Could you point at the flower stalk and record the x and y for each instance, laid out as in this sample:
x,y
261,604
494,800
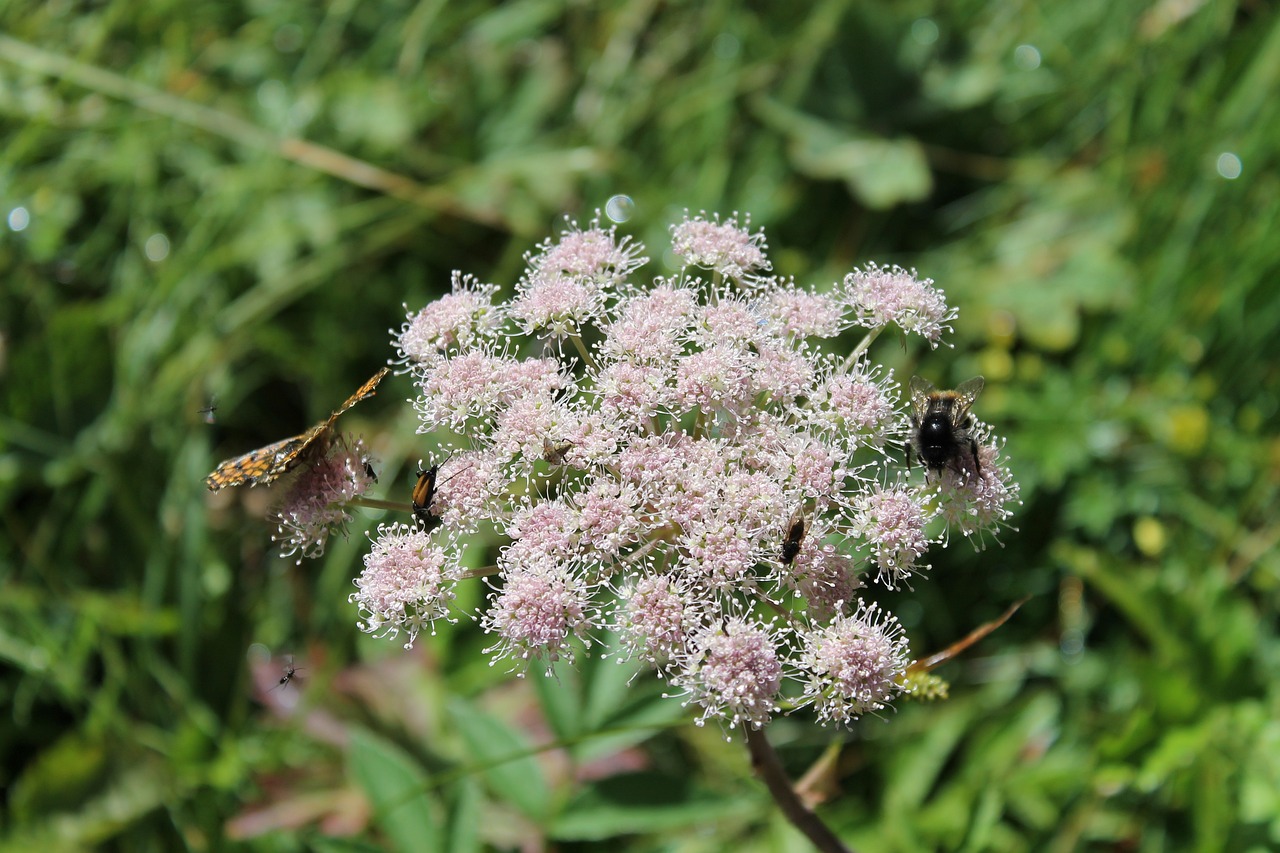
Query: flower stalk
x,y
765,762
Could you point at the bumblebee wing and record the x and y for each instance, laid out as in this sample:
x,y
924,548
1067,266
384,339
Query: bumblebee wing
x,y
966,392
921,390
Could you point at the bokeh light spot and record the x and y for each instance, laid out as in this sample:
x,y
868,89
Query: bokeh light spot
x,y
620,208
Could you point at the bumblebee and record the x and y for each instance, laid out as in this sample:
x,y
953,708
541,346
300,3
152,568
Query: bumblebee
x,y
941,426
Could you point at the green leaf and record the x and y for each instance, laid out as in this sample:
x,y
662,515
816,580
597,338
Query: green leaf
x,y
397,790
464,819
916,768
506,760
647,802
1260,776
60,778
561,699
124,797
879,172
330,844
645,713
610,686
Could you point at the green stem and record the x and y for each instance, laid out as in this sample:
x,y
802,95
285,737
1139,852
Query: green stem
x,y
375,503
862,346
583,351
483,572
764,760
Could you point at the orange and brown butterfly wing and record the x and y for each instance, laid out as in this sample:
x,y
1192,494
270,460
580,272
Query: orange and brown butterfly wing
x,y
265,464
364,392
257,466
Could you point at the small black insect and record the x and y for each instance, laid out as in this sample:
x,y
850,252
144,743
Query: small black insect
x,y
424,492
209,411
369,472
941,426
797,526
289,672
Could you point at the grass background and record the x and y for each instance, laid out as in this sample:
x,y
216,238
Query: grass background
x,y
234,200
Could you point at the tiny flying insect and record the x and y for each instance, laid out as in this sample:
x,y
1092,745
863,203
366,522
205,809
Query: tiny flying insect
x,y
941,426
209,411
797,527
289,672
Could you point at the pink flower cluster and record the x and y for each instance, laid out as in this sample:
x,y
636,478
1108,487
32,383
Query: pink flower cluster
x,y
647,451
320,496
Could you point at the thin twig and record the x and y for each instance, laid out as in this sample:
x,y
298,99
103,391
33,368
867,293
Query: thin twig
x,y
766,764
376,503
951,651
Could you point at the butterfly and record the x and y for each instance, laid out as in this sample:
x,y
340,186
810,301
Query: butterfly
x,y
267,463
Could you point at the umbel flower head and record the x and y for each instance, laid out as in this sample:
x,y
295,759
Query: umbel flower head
x,y
317,501
686,463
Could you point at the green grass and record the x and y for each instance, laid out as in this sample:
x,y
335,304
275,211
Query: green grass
x,y
312,167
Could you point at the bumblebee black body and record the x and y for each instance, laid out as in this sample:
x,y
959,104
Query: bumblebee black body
x,y
940,442
941,426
